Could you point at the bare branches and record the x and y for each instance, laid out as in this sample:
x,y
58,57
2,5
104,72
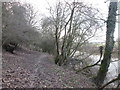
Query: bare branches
x,y
89,66
113,80
74,24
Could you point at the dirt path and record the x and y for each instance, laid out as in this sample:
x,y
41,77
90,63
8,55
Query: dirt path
x,y
35,70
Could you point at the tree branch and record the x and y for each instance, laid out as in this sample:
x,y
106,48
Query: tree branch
x,y
113,80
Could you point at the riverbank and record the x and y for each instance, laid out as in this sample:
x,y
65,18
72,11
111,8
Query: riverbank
x,y
34,69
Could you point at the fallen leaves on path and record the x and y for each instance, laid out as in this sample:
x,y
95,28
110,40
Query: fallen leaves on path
x,y
32,69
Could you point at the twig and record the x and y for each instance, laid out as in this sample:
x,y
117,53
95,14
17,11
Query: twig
x,y
113,80
89,66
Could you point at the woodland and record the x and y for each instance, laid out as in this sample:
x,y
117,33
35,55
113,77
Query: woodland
x,y
55,52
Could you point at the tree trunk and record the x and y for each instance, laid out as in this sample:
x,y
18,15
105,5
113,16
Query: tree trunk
x,y
62,56
109,44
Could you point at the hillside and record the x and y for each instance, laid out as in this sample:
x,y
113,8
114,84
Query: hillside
x,y
32,69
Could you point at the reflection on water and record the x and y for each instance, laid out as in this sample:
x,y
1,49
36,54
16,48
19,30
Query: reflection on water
x,y
113,68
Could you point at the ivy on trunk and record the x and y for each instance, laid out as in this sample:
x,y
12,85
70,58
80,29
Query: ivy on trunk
x,y
109,44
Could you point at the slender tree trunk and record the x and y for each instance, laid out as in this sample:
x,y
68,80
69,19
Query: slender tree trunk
x,y
57,45
109,44
61,57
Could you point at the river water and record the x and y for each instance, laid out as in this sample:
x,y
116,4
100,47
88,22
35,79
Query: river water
x,y
113,68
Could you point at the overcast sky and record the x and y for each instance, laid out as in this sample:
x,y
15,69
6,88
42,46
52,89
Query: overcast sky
x,y
41,5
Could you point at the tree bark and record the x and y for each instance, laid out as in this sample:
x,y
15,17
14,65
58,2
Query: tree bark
x,y
57,46
109,44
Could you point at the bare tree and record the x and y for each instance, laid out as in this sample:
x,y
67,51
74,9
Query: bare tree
x,y
74,24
